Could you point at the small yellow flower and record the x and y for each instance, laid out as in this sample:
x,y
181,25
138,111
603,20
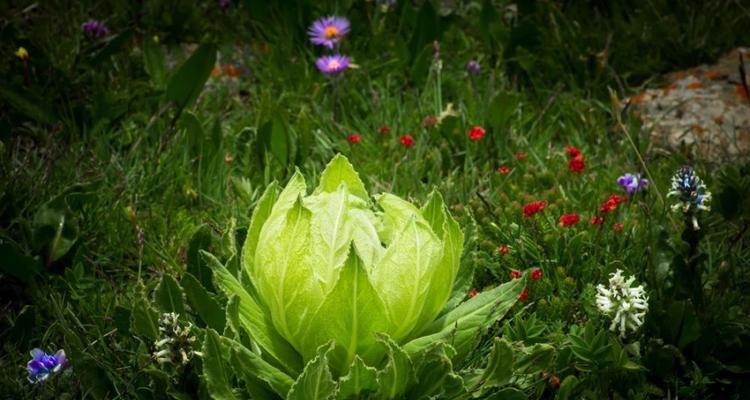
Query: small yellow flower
x,y
22,54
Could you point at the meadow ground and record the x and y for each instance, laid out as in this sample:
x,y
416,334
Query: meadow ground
x,y
133,135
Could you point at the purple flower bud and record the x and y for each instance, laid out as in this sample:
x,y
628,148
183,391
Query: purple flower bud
x,y
473,68
95,28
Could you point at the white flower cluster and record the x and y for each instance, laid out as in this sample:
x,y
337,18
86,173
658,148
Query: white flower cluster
x,y
176,345
627,305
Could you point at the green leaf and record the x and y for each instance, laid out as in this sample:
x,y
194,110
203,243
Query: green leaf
x,y
275,138
214,367
433,368
144,321
508,394
14,263
201,240
499,368
462,326
360,380
261,212
567,387
349,316
465,277
253,366
28,104
394,378
187,83
536,358
169,295
254,318
54,231
339,170
202,303
153,62
315,382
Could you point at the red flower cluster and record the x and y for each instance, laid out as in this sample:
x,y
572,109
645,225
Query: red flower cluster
x,y
476,133
429,121
407,140
473,293
569,219
515,274
519,156
504,170
503,249
533,208
595,220
611,204
536,274
618,227
354,138
524,295
384,130
576,163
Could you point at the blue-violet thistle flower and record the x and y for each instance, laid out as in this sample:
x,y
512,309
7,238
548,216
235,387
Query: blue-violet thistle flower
x,y
632,183
42,365
691,193
624,303
332,64
176,343
95,28
473,68
328,31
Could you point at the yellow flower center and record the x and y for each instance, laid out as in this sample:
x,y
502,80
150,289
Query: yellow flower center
x,y
333,64
331,32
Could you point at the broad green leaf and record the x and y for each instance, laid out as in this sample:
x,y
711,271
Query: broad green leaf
x,y
144,321
254,318
253,366
153,62
295,188
169,295
261,212
214,367
187,83
201,240
441,282
315,382
396,213
567,387
536,358
350,315
203,303
465,276
499,368
283,276
403,275
462,326
433,368
53,231
398,372
360,380
340,170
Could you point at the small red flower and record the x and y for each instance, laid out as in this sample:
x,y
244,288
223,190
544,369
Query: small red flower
x,y
573,152
429,121
504,170
354,138
569,219
519,156
503,249
515,274
554,381
618,227
524,294
384,130
596,220
533,208
476,133
536,274
407,140
473,293
611,204
576,164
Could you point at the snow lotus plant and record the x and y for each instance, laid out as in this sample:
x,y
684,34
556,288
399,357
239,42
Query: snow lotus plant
x,y
335,299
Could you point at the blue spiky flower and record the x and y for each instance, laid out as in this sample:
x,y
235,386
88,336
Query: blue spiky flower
x,y
691,193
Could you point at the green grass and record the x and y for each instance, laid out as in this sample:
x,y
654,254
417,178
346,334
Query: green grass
x,y
92,140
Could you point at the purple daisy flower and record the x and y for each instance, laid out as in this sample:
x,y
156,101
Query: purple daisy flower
x,y
473,67
632,183
95,28
332,64
328,31
42,365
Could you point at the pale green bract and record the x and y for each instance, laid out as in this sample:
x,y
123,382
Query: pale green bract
x,y
344,295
